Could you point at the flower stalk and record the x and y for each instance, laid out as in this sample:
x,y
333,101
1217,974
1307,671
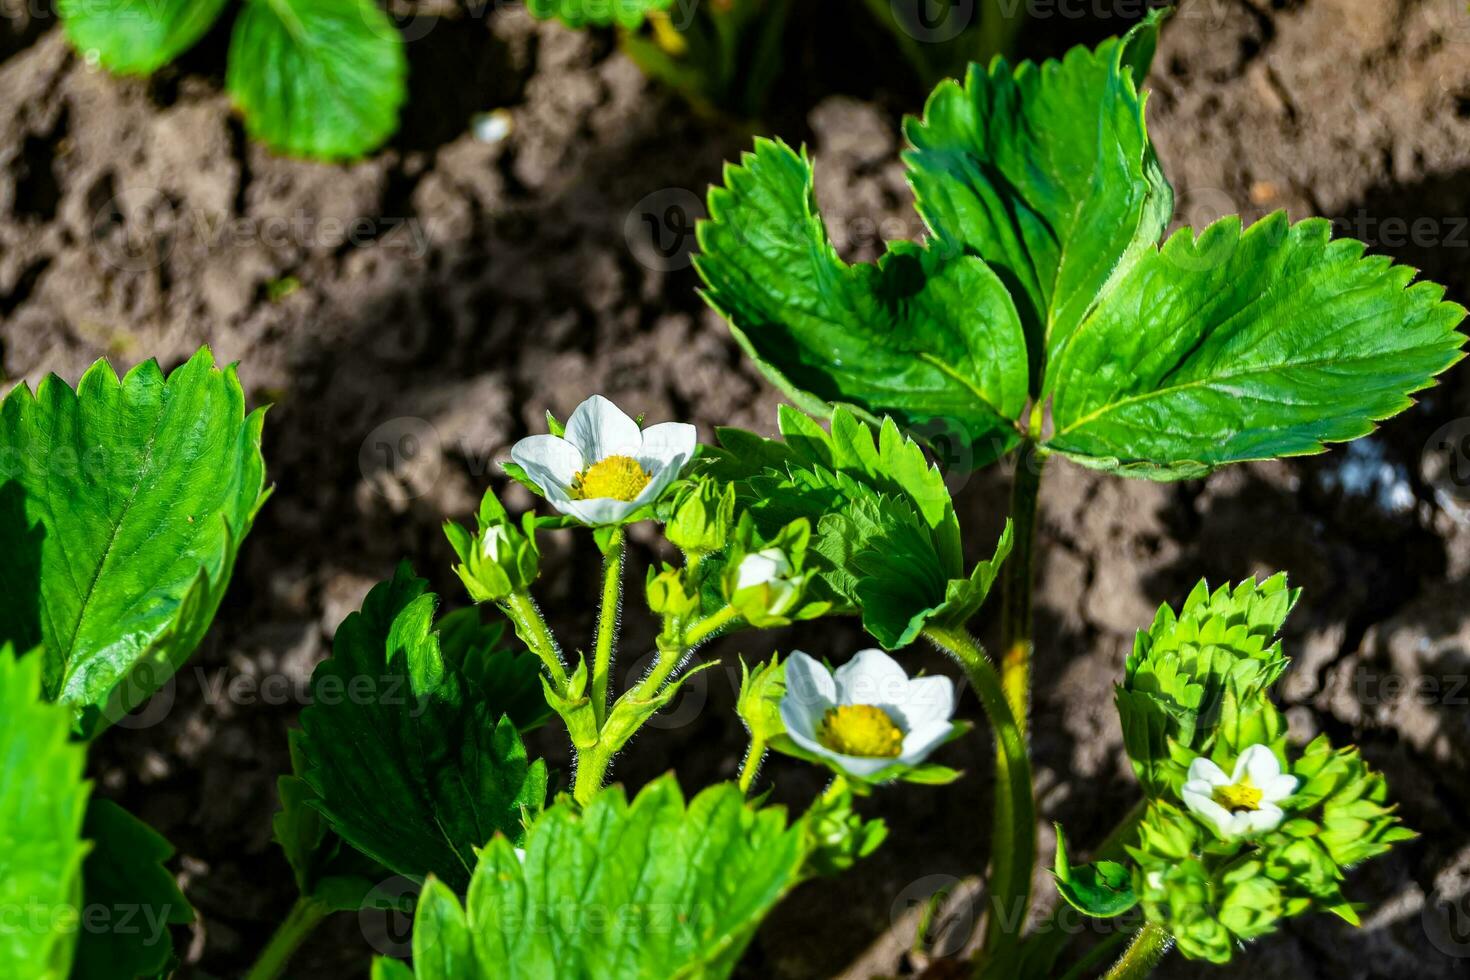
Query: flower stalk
x,y
1017,640
607,622
1143,955
1013,829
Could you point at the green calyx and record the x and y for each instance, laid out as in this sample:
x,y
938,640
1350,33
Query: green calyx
x,y
1198,670
703,517
499,559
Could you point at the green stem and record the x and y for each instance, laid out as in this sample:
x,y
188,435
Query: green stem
x,y
592,767
521,610
1143,954
709,626
1019,578
607,624
752,763
304,916
1013,830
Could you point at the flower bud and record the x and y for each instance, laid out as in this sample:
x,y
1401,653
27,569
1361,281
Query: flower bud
x,y
499,560
668,595
702,519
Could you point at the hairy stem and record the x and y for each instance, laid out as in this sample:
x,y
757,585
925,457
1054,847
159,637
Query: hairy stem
x,y
1019,578
304,916
1013,829
531,627
1143,954
607,624
752,763
592,766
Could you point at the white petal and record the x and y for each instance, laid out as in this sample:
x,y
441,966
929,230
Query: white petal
x,y
761,568
666,442
1202,768
924,701
600,429
1258,764
1278,788
871,677
810,691
660,482
1267,817
1205,805
919,742
549,461
596,510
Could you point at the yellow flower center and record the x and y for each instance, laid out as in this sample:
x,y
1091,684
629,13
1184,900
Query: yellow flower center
x,y
860,730
616,477
1240,796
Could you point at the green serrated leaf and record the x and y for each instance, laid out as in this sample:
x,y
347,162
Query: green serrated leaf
x,y
885,537
1045,172
326,869
647,889
122,507
596,13
137,37
927,336
130,896
407,761
1235,346
317,78
43,800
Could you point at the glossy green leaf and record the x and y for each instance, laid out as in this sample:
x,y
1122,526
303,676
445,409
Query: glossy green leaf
x,y
137,37
122,507
1102,889
43,801
885,537
1045,172
317,78
1249,345
648,890
408,762
130,899
596,13
927,336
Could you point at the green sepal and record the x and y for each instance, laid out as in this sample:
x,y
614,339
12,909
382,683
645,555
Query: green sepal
x,y
837,835
1102,889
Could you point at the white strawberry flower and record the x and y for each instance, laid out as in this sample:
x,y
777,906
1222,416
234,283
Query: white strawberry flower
x,y
605,468
1245,802
868,715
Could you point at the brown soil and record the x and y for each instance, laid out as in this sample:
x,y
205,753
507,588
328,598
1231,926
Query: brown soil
x,y
484,282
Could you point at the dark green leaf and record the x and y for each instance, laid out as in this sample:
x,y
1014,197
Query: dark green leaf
x,y
927,336
1241,346
130,899
317,78
648,889
325,868
137,37
122,507
1045,172
43,800
408,762
506,676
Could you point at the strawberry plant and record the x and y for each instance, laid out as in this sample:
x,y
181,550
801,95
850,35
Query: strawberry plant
x,y
1047,315
312,78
